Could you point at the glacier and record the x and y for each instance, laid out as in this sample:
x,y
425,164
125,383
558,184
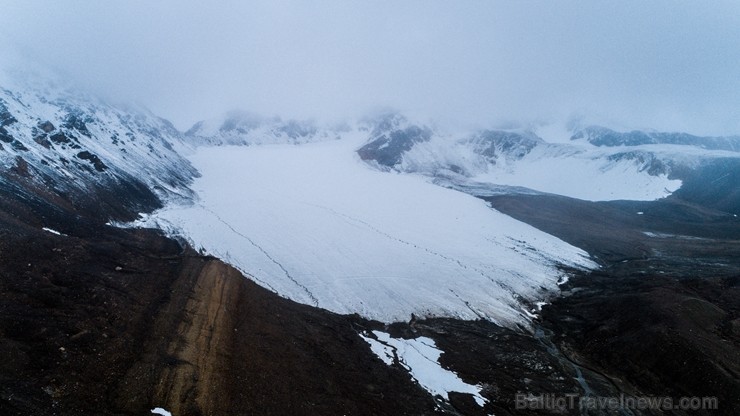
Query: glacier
x,y
316,224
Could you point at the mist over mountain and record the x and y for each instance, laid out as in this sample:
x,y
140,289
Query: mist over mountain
x,y
630,65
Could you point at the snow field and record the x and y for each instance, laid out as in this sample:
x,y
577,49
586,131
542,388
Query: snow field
x,y
316,225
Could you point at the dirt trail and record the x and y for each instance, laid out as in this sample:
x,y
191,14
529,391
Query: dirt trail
x,y
221,345
204,343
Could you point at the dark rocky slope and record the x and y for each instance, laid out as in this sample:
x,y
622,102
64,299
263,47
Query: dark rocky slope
x,y
663,314
107,321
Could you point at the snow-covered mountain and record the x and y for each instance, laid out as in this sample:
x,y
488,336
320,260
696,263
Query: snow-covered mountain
x,y
76,146
596,164
243,128
602,136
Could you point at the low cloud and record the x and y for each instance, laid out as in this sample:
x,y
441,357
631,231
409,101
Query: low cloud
x,y
632,64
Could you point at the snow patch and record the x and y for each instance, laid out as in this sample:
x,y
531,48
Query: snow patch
x,y
160,411
420,357
55,232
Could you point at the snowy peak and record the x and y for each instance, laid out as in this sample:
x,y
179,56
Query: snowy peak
x,y
234,122
601,136
493,144
391,136
519,161
243,128
396,143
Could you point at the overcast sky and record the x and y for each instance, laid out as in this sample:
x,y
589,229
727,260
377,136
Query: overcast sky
x,y
671,65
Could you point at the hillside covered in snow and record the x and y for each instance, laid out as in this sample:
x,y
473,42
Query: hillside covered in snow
x,y
81,149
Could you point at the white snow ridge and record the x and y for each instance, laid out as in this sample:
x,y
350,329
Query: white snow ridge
x,y
317,225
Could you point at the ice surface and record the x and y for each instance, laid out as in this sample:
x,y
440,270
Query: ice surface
x,y
315,224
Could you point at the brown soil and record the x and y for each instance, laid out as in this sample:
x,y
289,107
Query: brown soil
x,y
230,347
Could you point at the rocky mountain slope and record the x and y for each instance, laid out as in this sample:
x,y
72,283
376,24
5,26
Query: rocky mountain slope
x,y
596,164
601,136
83,151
